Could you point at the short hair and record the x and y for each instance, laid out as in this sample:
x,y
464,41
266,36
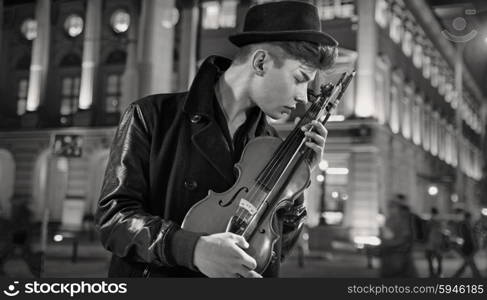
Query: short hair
x,y
311,54
434,211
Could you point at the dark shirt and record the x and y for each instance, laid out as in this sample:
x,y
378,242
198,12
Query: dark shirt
x,y
244,133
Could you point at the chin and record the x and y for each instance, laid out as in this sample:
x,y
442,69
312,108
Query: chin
x,y
276,116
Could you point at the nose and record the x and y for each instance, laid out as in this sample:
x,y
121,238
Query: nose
x,y
302,95
303,99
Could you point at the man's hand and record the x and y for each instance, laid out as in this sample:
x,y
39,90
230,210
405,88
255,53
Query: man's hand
x,y
316,141
222,255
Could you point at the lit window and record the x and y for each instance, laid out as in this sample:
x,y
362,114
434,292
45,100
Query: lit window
x,y
113,93
394,120
219,15
73,25
331,9
211,11
449,93
382,87
434,75
382,13
395,30
418,55
405,113
426,118
22,96
29,29
441,139
345,8
448,144
417,121
228,14
434,134
407,43
120,21
426,66
326,10
69,95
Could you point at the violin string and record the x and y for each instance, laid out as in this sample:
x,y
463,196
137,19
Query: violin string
x,y
296,134
283,150
278,156
253,190
281,154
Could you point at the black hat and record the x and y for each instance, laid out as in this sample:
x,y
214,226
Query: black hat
x,y
282,21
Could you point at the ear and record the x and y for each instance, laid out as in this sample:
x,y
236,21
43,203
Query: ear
x,y
260,61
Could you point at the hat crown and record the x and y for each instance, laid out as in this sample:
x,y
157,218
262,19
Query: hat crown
x,y
282,16
282,21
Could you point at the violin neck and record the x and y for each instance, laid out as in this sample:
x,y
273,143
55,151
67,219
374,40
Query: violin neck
x,y
292,147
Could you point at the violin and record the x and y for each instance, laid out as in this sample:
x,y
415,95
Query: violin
x,y
271,174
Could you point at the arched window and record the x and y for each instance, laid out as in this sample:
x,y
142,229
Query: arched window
x,y
382,13
219,14
70,76
22,83
426,117
416,126
114,67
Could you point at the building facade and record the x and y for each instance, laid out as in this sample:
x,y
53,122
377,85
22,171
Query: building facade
x,y
406,125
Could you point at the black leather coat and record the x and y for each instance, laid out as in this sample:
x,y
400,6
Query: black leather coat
x,y
167,153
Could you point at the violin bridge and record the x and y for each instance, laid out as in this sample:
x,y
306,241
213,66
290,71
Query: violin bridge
x,y
249,207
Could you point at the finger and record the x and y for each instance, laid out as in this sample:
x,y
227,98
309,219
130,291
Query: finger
x,y
249,274
246,260
254,274
320,140
320,128
306,127
240,241
315,148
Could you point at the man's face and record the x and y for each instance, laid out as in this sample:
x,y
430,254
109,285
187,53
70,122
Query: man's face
x,y
278,90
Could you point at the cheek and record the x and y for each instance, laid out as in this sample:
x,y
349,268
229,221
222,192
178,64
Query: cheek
x,y
279,89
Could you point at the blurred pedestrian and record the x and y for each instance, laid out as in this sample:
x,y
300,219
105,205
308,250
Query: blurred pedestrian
x,y
480,228
467,244
18,232
397,241
434,245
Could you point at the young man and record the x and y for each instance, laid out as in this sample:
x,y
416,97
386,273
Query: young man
x,y
170,150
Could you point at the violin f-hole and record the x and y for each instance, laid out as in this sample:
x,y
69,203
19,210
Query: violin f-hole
x,y
223,204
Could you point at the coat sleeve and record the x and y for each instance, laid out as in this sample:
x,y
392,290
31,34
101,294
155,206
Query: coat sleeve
x,y
126,227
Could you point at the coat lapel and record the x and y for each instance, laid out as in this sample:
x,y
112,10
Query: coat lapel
x,y
207,136
211,144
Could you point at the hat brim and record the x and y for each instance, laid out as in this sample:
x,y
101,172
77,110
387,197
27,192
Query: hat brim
x,y
313,36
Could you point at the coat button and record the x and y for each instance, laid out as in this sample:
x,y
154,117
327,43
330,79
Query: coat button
x,y
190,184
195,119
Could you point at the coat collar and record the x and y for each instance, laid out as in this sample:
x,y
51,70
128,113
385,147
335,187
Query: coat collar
x,y
207,135
199,100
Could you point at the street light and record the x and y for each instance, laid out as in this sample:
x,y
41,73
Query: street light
x,y
433,190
